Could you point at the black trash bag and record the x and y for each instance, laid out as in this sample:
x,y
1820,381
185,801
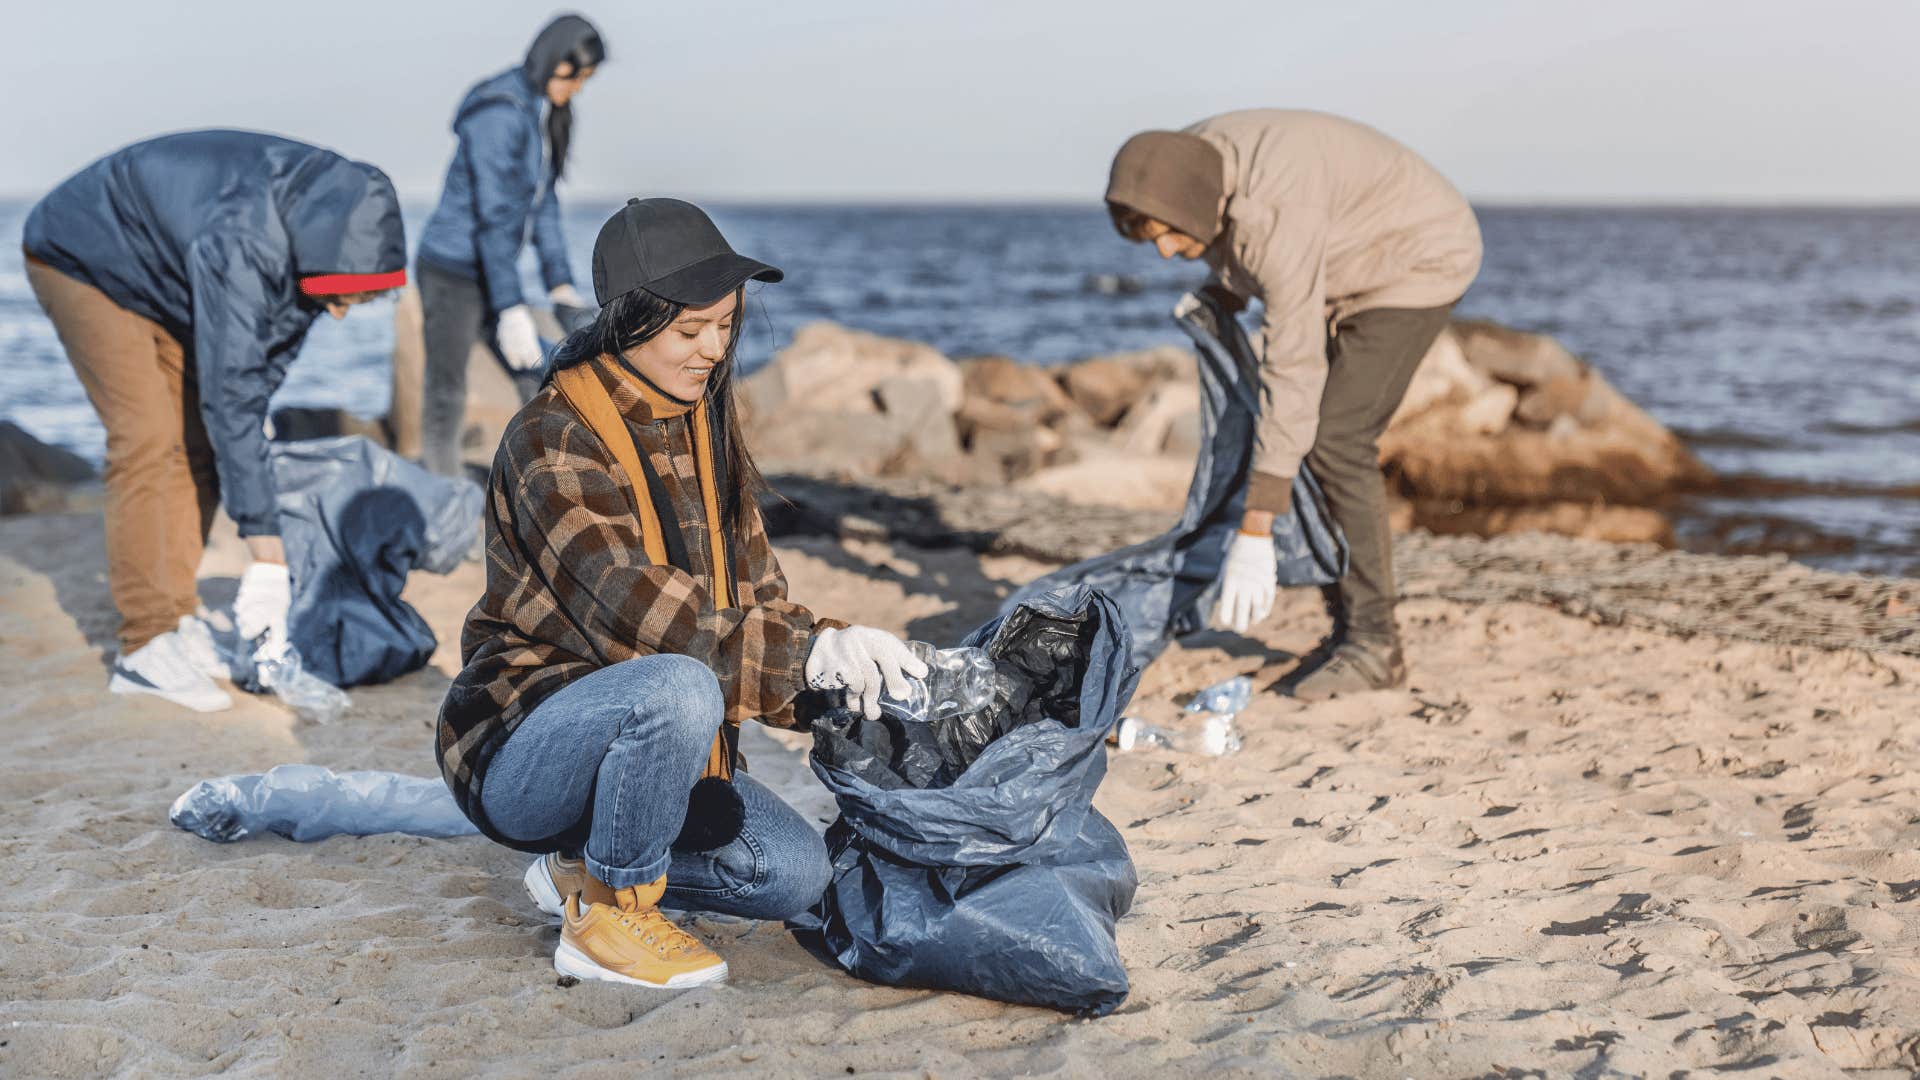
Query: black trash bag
x,y
1167,586
356,520
966,701
996,877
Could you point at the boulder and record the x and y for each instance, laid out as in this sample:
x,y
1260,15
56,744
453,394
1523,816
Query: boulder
x,y
1515,356
1588,520
1500,418
831,443
832,367
1013,453
1023,388
1443,377
1128,481
1104,388
1632,460
1149,426
1162,363
38,478
1586,399
918,405
1490,411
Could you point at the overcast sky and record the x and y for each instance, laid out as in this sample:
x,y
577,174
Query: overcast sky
x,y
1630,100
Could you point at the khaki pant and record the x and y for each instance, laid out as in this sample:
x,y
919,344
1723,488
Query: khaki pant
x,y
162,490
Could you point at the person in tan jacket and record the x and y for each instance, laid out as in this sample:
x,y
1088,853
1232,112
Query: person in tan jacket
x,y
1356,249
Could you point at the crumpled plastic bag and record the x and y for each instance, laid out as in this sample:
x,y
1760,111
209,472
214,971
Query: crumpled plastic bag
x,y
1004,881
310,802
357,520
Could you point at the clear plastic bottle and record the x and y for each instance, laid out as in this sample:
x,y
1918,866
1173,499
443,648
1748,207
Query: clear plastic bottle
x,y
1224,698
275,665
1215,737
309,802
958,681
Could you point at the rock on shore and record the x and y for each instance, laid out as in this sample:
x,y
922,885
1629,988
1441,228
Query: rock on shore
x,y
1501,431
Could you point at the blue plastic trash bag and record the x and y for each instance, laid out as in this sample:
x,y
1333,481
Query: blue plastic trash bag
x,y
1167,586
357,520
1004,882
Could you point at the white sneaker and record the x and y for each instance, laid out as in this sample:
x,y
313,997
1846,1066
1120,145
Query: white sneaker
x,y
196,642
161,668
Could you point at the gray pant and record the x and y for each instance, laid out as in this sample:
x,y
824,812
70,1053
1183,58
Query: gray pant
x,y
454,316
1370,362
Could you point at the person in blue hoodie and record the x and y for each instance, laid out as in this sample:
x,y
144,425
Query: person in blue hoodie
x,y
182,274
514,130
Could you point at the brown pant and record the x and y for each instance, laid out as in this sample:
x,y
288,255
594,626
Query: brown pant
x,y
1369,364
162,490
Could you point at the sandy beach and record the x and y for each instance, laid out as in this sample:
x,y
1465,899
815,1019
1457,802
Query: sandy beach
x,y
1569,849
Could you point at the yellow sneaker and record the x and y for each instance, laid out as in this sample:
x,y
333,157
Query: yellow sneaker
x,y
553,878
629,941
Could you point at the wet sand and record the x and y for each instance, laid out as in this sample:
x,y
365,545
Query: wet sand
x,y
1569,850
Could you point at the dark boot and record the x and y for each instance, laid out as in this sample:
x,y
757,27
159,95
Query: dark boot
x,y
1347,661
1358,665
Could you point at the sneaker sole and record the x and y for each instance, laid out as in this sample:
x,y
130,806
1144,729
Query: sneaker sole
x,y
120,684
568,960
540,888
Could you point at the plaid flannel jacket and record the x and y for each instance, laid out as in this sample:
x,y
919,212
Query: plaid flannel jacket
x,y
570,590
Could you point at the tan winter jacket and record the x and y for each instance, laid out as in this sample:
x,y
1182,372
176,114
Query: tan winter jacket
x,y
1325,218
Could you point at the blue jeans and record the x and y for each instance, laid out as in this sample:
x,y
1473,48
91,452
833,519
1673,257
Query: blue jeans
x,y
624,746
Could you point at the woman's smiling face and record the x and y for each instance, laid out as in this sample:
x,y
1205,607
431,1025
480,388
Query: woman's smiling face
x,y
681,358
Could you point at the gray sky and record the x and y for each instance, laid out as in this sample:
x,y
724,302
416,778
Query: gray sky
x,y
1665,100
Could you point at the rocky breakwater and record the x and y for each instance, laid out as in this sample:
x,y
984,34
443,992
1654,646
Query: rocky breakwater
x,y
1500,432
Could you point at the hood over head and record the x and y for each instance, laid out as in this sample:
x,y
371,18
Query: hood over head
x,y
568,37
343,226
1173,177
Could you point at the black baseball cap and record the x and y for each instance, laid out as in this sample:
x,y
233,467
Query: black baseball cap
x,y
671,249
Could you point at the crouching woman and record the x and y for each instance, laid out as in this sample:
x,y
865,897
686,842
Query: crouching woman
x,y
634,616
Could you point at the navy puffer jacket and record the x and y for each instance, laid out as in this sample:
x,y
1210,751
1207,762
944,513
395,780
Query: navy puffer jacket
x,y
210,234
500,184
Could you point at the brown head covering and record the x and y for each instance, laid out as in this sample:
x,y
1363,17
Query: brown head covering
x,y
1173,177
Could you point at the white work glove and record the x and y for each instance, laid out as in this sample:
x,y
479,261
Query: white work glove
x,y
1247,583
519,342
863,662
568,295
266,592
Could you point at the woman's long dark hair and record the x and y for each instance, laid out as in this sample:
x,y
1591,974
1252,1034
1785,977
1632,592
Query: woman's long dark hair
x,y
631,320
568,39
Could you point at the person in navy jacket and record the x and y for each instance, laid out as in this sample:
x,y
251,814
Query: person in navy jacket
x,y
514,130
182,274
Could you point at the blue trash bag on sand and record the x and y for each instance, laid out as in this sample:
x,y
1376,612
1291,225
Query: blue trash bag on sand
x,y
357,520
1167,586
1005,883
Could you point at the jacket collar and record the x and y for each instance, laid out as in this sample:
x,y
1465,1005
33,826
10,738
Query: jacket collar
x,y
637,398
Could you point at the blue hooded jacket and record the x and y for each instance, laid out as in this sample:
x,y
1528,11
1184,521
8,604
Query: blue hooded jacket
x,y
209,233
500,181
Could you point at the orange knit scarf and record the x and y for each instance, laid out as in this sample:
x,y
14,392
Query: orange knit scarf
x,y
589,398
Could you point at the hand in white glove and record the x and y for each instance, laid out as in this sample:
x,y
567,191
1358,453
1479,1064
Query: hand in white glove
x,y
266,592
863,662
519,342
568,295
1247,583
